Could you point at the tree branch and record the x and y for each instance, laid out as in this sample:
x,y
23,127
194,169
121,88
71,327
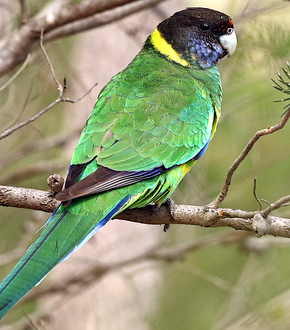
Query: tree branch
x,y
269,130
23,12
27,198
39,145
203,216
62,18
100,19
61,89
17,73
32,170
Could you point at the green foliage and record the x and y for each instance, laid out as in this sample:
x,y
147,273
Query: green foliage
x,y
283,85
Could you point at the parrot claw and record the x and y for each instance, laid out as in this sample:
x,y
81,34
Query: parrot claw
x,y
166,227
170,204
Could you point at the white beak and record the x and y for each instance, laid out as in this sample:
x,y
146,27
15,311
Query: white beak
x,y
229,42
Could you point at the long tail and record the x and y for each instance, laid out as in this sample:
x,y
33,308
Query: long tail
x,y
67,229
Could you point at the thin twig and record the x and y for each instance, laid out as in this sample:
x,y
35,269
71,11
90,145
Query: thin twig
x,y
61,18
97,271
255,194
23,107
30,120
61,88
23,12
32,170
271,129
274,206
17,73
32,322
65,99
77,283
39,145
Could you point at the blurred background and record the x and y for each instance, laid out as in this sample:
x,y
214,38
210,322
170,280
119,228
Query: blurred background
x,y
226,282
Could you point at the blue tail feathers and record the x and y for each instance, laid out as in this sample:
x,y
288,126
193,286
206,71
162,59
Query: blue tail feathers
x,y
63,233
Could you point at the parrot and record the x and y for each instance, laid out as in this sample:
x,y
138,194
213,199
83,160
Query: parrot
x,y
148,127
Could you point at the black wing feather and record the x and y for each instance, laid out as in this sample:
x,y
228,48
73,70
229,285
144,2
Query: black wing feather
x,y
104,179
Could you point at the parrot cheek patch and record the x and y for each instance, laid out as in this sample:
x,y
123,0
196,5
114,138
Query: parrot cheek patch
x,y
204,51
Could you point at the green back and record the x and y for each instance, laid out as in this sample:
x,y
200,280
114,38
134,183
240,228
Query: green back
x,y
134,126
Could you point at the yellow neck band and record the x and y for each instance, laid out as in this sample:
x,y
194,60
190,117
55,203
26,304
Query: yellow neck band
x,y
166,49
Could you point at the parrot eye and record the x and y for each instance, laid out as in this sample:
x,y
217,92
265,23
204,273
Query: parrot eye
x,y
230,30
204,27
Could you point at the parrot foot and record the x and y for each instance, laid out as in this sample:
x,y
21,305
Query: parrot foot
x,y
170,204
166,227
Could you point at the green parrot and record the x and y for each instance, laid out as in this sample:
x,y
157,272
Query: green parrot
x,y
150,124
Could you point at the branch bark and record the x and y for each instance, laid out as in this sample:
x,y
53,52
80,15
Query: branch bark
x,y
204,216
27,198
269,130
62,18
59,19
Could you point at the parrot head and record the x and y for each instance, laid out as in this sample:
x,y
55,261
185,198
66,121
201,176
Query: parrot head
x,y
197,36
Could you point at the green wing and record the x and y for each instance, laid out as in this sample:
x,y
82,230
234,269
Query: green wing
x,y
144,119
134,126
